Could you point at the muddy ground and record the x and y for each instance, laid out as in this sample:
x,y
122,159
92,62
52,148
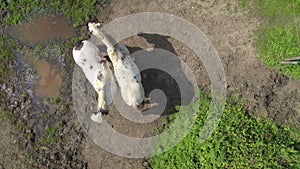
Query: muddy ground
x,y
268,93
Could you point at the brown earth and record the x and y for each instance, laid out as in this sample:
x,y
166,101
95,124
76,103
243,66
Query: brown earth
x,y
230,29
268,93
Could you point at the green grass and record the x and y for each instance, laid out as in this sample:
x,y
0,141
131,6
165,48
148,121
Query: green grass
x,y
50,136
277,43
239,141
55,100
6,57
278,37
6,116
78,11
32,160
15,11
267,8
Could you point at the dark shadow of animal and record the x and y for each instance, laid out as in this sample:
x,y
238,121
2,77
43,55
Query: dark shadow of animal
x,y
154,78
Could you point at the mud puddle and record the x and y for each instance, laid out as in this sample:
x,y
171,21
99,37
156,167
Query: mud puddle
x,y
43,28
50,78
41,37
34,33
45,85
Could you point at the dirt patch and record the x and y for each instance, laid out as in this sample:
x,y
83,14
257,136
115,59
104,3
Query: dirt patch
x,y
10,151
231,32
268,93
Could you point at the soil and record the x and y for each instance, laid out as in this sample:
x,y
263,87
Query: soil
x,y
268,93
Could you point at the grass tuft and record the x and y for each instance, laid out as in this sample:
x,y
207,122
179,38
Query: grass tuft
x,y
50,136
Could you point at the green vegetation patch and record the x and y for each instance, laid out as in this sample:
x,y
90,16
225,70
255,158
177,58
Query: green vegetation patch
x,y
6,116
6,57
278,37
272,7
278,43
51,136
78,11
239,141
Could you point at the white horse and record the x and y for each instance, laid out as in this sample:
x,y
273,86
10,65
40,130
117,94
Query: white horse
x,y
99,73
125,70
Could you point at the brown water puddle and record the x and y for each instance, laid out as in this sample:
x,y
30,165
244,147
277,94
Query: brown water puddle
x,y
43,28
48,85
34,32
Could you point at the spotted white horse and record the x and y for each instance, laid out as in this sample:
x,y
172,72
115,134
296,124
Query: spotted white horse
x,y
99,73
125,70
